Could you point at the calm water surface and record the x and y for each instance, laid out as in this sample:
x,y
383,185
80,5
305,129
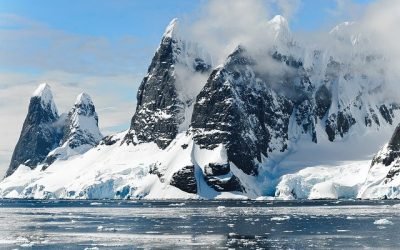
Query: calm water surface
x,y
28,224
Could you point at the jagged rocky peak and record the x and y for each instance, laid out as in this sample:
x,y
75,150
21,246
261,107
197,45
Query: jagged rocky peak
x,y
44,96
84,106
44,93
167,92
83,122
41,131
81,131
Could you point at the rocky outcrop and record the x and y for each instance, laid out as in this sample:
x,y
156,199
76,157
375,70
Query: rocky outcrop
x,y
185,180
82,127
383,177
221,178
41,132
390,152
165,94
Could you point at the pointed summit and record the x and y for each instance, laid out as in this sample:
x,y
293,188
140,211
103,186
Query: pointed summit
x,y
83,98
40,133
280,29
171,29
84,103
83,122
44,93
165,94
43,90
279,21
239,56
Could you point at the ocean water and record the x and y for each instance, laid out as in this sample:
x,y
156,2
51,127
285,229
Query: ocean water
x,y
78,224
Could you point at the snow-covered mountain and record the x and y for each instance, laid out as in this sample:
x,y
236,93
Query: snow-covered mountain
x,y
40,133
246,128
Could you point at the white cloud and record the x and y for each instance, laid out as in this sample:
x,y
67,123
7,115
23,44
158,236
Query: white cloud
x,y
222,26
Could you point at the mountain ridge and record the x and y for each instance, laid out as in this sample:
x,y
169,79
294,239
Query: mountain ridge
x,y
201,131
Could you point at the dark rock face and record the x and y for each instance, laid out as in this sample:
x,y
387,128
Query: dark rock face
x,y
185,180
387,111
394,143
221,179
109,140
393,150
40,134
159,110
231,184
393,172
323,101
242,110
155,169
213,169
339,124
390,156
158,106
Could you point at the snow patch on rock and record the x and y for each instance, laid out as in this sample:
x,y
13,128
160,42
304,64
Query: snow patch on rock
x,y
45,94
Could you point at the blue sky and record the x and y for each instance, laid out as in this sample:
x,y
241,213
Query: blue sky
x,y
143,21
104,47
141,17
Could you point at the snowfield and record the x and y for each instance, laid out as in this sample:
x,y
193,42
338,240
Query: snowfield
x,y
123,172
116,172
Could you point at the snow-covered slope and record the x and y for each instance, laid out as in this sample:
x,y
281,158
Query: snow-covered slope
x,y
286,120
115,170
